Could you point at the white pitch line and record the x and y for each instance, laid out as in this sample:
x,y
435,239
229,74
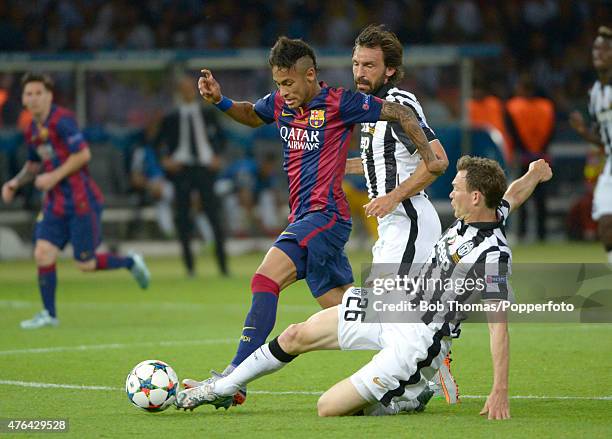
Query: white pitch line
x,y
55,386
179,306
289,392
115,346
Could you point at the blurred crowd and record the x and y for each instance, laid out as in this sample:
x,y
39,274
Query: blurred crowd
x,y
549,38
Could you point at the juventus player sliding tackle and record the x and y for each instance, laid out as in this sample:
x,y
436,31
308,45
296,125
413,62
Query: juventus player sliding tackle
x,y
314,122
408,224
600,110
395,380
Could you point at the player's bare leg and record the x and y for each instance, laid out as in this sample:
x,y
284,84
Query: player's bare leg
x,y
45,255
333,297
86,266
341,400
279,267
604,229
319,332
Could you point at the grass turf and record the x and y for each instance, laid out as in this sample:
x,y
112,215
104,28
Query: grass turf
x,y
194,323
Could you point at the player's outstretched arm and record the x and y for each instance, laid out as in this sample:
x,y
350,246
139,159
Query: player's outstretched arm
x,y
26,175
418,180
521,189
587,133
241,112
497,405
73,163
410,124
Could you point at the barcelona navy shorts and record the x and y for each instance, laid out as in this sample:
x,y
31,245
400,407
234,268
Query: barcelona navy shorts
x,y
82,231
315,244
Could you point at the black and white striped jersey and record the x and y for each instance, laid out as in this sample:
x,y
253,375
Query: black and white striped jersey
x,y
387,154
477,251
600,109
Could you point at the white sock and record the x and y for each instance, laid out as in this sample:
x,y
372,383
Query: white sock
x,y
259,363
164,217
610,257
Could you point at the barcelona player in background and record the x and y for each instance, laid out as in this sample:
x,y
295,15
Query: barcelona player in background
x,y
315,122
72,207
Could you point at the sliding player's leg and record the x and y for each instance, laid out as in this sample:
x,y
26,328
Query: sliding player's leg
x,y
309,248
319,332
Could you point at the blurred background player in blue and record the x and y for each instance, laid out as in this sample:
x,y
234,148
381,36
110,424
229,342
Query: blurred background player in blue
x,y
72,208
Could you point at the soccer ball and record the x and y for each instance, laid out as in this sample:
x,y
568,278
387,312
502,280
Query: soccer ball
x,y
152,385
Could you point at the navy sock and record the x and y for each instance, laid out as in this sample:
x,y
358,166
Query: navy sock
x,y
47,283
107,261
260,319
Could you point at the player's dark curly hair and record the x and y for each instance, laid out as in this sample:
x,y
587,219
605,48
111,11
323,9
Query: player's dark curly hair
x,y
37,77
374,36
485,176
286,52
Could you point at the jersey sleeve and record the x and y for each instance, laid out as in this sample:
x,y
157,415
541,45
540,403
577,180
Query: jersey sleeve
x,y
69,132
503,210
410,101
492,275
32,154
357,107
265,108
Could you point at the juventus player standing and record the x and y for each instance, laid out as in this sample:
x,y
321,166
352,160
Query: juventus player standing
x,y
408,224
600,133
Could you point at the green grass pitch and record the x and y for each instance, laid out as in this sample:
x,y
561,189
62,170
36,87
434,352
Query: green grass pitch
x,y
108,325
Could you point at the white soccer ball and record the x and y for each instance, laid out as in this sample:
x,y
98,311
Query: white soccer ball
x,y
152,385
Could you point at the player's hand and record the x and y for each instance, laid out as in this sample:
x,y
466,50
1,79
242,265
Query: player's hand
x,y
542,169
8,190
381,206
576,121
46,181
170,165
497,405
209,87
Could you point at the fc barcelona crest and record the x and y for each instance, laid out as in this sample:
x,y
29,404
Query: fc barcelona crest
x,y
317,118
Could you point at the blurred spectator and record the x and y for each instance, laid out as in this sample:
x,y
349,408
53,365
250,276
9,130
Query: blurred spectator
x,y
254,204
189,142
531,123
487,111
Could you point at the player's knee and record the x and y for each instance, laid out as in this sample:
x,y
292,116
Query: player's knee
x,y
43,255
325,406
86,266
292,340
